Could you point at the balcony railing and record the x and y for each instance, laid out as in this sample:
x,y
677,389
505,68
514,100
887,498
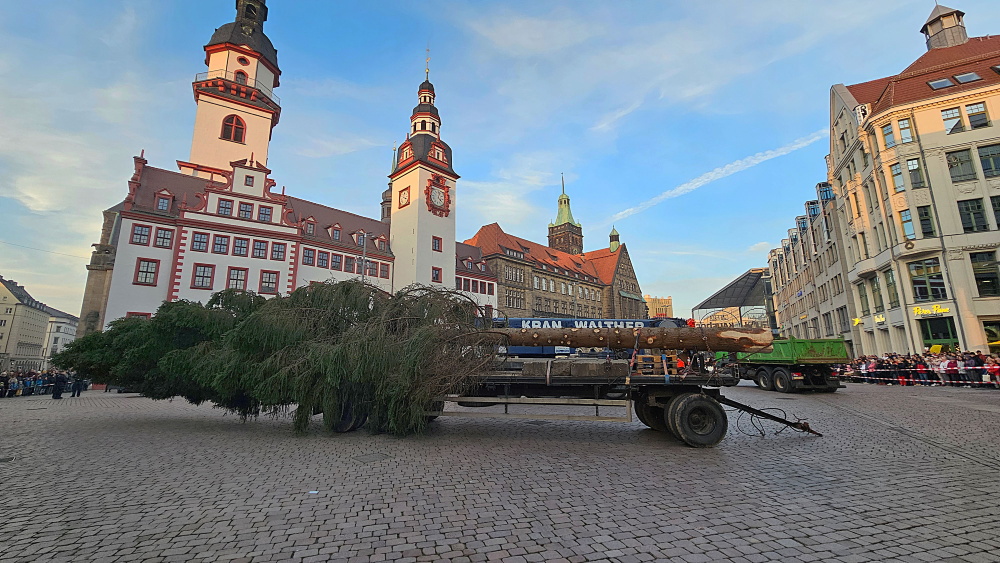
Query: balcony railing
x,y
240,79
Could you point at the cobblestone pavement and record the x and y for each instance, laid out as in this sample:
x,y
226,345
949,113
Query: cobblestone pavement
x,y
902,474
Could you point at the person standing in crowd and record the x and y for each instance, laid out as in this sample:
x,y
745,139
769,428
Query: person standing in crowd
x,y
77,386
60,383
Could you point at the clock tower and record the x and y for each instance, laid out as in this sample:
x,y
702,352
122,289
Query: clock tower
x,y
237,108
422,214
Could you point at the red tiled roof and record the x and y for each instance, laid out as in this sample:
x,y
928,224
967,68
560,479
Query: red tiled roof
x,y
977,55
868,92
463,251
492,240
605,262
184,187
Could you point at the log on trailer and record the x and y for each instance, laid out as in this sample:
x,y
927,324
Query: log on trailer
x,y
669,338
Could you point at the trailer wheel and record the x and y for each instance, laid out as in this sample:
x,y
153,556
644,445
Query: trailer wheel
x,y
650,416
700,420
435,406
668,418
763,379
350,419
782,380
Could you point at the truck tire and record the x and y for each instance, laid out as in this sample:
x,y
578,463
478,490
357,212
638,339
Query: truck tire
x,y
700,420
668,417
650,416
782,380
763,379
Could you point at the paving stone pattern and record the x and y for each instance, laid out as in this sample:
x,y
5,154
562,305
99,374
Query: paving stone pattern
x,y
902,474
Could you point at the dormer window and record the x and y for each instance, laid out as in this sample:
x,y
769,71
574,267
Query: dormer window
x,y
248,180
240,76
336,234
162,203
381,245
310,228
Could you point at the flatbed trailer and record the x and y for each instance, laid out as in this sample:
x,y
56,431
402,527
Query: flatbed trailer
x,y
687,406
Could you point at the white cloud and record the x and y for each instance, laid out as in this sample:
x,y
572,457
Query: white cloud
x,y
506,197
759,247
720,173
523,36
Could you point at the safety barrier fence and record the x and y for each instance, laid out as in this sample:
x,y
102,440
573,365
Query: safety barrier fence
x,y
981,376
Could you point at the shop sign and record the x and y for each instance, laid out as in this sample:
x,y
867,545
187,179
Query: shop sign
x,y
857,321
880,318
933,311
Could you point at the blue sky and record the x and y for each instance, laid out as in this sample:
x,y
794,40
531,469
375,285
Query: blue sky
x,y
697,129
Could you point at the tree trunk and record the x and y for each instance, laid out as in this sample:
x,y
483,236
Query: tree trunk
x,y
708,338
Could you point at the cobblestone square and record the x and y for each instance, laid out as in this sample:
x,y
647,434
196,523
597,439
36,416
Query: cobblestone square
x,y
901,474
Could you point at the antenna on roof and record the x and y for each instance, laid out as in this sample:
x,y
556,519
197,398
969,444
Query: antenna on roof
x,y
427,62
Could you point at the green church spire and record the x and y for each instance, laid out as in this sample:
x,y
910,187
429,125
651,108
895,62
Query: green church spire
x,y
564,214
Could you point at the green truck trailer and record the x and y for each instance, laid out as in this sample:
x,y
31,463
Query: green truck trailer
x,y
794,364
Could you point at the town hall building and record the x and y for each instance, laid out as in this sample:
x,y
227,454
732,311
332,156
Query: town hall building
x,y
219,222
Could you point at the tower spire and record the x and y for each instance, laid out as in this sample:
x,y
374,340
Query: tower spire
x,y
427,63
563,177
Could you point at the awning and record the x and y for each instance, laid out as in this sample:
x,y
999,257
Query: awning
x,y
624,293
745,291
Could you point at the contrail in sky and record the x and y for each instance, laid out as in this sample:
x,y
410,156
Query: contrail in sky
x,y
721,172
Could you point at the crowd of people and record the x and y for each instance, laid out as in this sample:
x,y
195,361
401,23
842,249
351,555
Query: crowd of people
x,y
957,369
23,383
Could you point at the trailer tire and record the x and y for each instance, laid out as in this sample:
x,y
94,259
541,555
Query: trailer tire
x,y
350,419
650,416
668,417
763,379
435,406
782,380
700,420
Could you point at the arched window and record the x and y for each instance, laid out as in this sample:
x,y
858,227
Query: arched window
x,y
433,127
241,77
233,128
423,125
250,12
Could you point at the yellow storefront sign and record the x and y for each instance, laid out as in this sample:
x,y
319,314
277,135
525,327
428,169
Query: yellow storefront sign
x,y
858,321
880,318
934,310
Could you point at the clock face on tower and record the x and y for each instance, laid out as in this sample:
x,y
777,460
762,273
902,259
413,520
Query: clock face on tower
x,y
404,197
438,196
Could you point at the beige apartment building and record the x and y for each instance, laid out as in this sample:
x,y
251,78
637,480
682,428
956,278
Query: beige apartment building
x,y
23,324
808,276
659,307
914,165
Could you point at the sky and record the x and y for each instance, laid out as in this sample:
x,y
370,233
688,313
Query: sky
x,y
696,129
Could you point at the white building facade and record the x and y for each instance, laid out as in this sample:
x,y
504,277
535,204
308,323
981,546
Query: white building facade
x,y
915,162
219,224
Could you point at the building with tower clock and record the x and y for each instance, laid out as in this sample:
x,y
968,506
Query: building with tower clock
x,y
218,221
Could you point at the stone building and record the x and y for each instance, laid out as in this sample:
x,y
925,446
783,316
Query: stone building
x,y
914,167
61,331
535,280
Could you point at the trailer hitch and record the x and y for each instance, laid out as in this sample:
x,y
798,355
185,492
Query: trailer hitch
x,y
800,425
